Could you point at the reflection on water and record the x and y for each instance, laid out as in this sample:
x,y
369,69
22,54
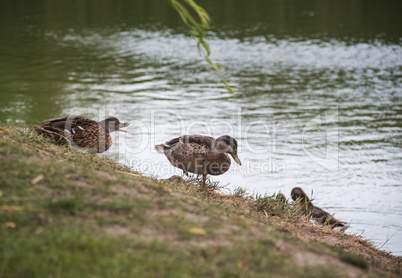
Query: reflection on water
x,y
288,71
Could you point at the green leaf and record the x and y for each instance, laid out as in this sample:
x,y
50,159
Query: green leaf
x,y
197,29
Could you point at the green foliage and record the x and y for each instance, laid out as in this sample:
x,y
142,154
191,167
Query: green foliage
x,y
353,259
275,205
197,30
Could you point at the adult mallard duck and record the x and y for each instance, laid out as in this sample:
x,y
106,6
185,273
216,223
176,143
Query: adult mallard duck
x,y
81,132
318,214
198,154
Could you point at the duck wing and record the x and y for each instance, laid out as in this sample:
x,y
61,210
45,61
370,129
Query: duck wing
x,y
197,143
186,151
58,135
83,131
70,122
205,141
323,217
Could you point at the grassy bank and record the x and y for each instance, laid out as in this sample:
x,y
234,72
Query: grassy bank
x,y
65,213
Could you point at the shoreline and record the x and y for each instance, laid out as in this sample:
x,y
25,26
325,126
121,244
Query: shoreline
x,y
47,187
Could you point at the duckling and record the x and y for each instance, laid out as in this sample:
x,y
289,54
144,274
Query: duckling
x,y
81,132
281,198
198,154
317,213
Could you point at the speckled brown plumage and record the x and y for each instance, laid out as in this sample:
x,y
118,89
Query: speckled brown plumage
x,y
200,154
316,213
81,132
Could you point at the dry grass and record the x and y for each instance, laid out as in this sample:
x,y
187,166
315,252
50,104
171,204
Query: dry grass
x,y
287,218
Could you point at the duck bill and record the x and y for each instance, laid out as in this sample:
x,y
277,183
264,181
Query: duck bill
x,y
235,157
122,125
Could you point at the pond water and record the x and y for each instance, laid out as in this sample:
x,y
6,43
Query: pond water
x,y
318,91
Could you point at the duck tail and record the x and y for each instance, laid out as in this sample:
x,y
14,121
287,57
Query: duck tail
x,y
52,132
160,148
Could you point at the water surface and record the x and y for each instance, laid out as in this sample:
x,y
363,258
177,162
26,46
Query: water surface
x,y
318,101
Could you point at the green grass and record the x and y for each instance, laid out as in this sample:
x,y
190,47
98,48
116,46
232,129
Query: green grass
x,y
91,217
354,259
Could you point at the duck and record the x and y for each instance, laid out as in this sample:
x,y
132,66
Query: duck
x,y
318,214
81,132
281,198
200,154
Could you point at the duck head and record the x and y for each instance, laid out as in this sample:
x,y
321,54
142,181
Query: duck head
x,y
113,124
227,144
298,193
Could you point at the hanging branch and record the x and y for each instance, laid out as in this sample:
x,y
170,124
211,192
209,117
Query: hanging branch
x,y
197,30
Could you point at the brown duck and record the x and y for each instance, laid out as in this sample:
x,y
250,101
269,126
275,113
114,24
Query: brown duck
x,y
317,213
81,132
202,155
